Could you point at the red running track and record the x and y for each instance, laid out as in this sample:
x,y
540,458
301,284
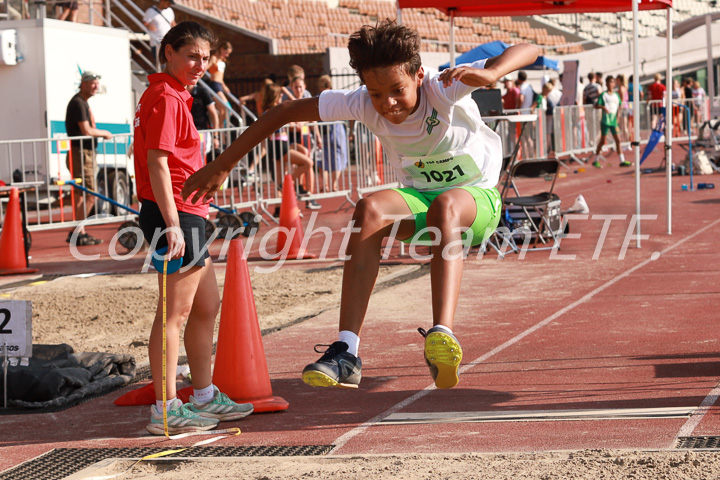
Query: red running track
x,y
613,331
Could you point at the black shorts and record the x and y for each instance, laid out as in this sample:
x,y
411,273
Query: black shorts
x,y
192,226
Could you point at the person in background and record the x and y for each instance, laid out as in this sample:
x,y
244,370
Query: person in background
x,y
687,94
205,117
656,94
335,155
79,121
698,96
283,149
623,120
159,20
69,11
631,114
610,103
591,90
677,98
167,152
216,69
524,103
510,99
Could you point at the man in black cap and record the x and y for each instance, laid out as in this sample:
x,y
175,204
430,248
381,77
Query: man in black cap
x,y
79,121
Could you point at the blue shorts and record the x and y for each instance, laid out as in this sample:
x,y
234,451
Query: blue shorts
x,y
487,216
216,86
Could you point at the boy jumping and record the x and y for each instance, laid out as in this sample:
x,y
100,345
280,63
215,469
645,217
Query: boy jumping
x,y
610,102
448,160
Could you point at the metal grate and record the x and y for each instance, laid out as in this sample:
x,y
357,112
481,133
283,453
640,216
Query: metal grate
x,y
63,462
698,442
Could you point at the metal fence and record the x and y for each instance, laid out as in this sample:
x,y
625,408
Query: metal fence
x,y
343,163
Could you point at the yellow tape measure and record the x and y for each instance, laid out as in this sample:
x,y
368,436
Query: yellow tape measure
x,y
219,433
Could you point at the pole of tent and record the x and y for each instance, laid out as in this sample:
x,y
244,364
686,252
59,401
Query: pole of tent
x,y
669,121
710,67
636,110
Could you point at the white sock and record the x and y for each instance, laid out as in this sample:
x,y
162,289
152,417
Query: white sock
x,y
159,404
622,158
351,339
204,395
443,328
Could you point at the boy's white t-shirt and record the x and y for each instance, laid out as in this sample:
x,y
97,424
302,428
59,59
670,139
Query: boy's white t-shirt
x,y
443,144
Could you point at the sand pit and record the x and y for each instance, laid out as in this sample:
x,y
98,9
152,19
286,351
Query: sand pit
x,y
579,465
114,313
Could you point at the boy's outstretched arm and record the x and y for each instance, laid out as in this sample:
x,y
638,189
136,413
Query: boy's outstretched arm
x,y
513,58
206,181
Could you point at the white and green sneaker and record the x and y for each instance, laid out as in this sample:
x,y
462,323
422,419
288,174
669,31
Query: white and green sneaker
x,y
180,420
221,407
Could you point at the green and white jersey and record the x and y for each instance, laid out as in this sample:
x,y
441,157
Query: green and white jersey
x,y
612,102
443,144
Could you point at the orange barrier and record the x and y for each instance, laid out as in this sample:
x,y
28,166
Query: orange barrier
x,y
13,259
146,396
380,169
241,370
290,221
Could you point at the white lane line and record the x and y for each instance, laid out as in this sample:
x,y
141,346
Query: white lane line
x,y
539,415
346,437
687,429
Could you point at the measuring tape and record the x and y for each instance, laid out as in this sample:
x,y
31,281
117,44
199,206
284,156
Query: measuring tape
x,y
232,432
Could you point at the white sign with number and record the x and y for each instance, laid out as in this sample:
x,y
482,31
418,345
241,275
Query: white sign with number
x,y
15,328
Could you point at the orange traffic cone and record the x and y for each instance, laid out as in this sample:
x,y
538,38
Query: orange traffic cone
x,y
290,220
13,259
146,396
241,371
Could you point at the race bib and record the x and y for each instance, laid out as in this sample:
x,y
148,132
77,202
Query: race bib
x,y
443,170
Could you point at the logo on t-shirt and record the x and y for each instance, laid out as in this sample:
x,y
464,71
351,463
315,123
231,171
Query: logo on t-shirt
x,y
419,164
432,121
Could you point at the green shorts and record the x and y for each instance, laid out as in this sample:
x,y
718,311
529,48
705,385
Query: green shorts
x,y
486,221
604,129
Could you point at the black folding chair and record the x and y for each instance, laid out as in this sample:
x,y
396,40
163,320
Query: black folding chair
x,y
535,217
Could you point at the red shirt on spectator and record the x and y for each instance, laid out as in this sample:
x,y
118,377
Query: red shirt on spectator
x,y
163,122
657,91
510,98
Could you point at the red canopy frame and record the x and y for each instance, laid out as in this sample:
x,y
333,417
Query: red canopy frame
x,y
502,8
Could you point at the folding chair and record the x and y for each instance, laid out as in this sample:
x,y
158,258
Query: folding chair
x,y
536,217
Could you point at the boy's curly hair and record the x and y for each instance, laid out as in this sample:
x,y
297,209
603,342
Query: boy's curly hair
x,y
384,45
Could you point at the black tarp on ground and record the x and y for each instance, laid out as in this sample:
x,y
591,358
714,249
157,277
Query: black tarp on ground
x,y
57,378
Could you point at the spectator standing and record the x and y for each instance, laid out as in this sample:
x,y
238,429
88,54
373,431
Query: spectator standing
x,y
591,90
69,11
79,121
527,94
159,20
510,99
688,93
524,103
205,117
623,120
656,94
216,69
631,113
698,96
335,155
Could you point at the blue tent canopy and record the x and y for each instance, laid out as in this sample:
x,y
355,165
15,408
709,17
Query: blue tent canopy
x,y
493,49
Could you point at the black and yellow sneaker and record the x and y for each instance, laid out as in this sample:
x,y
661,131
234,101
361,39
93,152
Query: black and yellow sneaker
x,y
336,368
442,355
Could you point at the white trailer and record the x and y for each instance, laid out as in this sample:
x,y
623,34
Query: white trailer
x,y
51,56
